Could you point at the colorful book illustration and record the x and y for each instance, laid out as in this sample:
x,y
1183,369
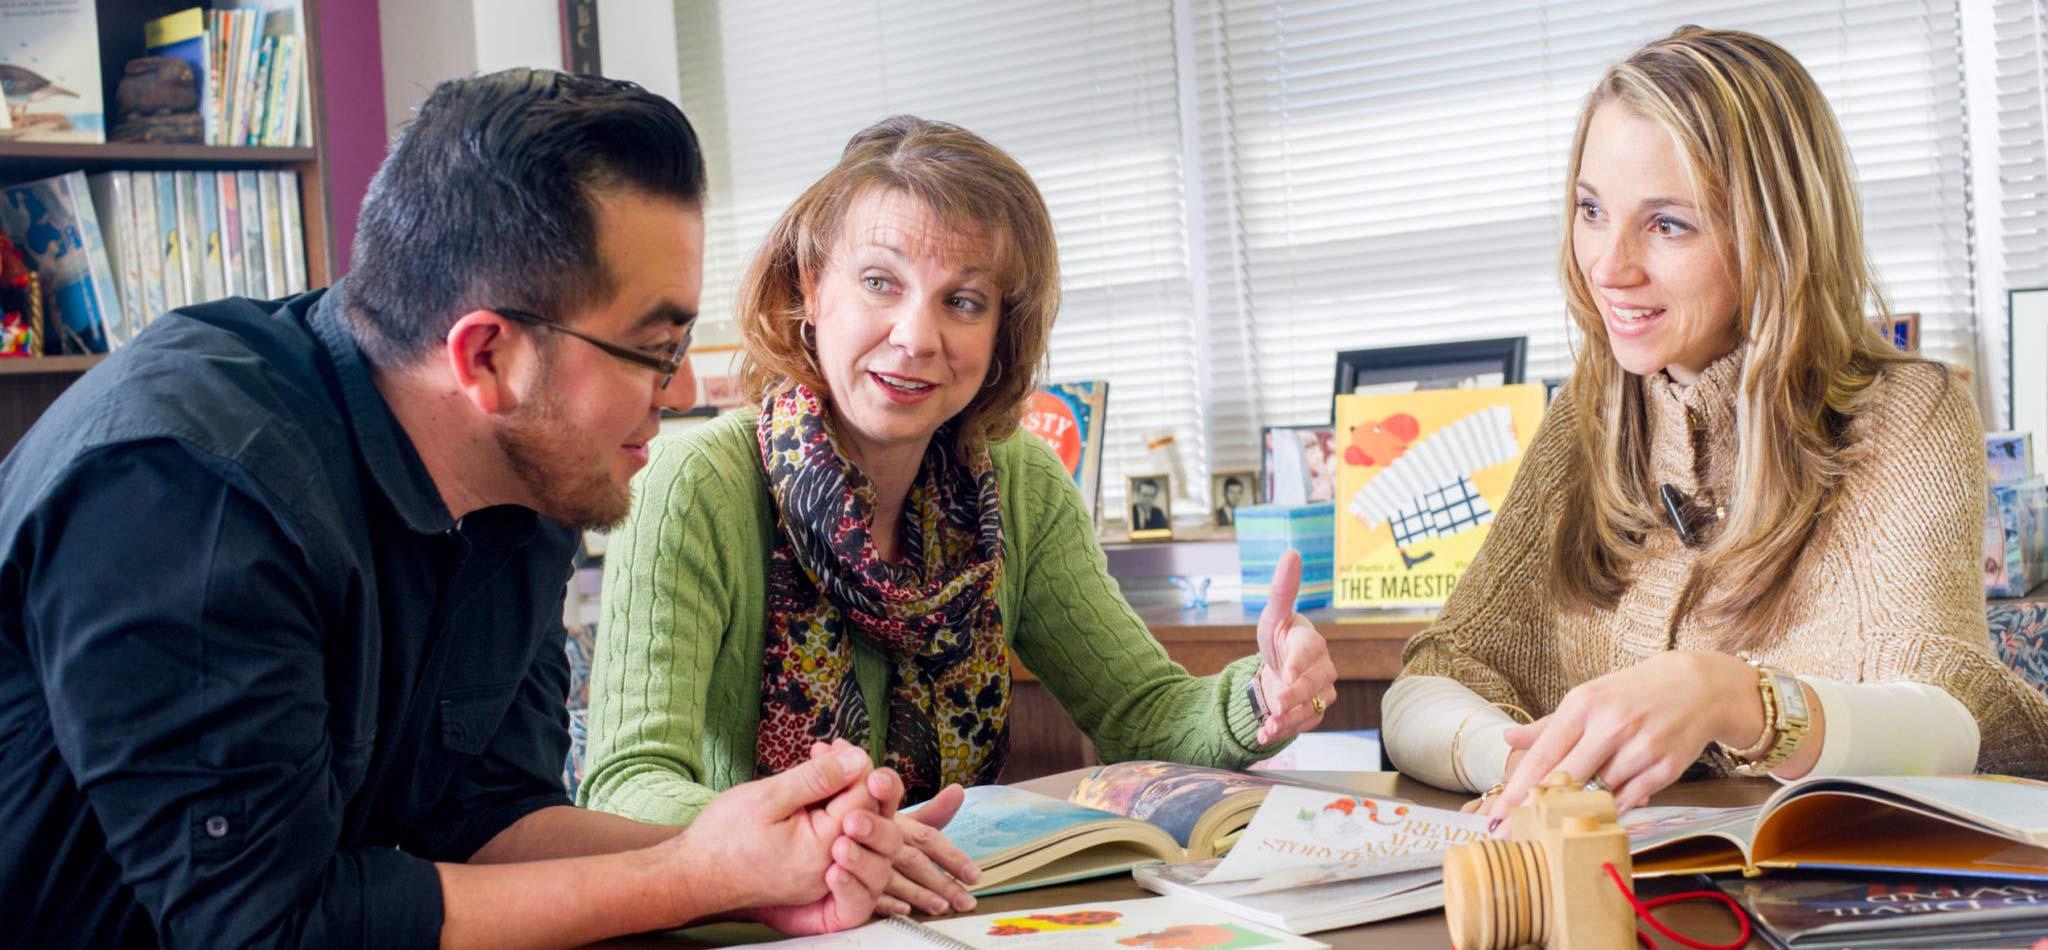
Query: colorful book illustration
x,y
1265,533
1419,477
1974,825
1119,817
1854,911
1069,417
50,72
1314,859
1163,922
2010,456
52,220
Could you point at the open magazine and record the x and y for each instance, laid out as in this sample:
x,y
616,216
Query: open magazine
x,y
1867,911
1981,825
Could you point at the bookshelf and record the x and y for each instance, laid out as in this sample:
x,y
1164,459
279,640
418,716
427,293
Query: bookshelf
x,y
28,386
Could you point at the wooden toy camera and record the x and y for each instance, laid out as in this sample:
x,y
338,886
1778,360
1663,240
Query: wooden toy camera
x,y
1545,884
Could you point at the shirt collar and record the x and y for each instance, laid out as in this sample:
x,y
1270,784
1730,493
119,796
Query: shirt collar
x,y
386,450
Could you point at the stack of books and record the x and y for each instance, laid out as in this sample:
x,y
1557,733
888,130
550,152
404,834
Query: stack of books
x,y
250,57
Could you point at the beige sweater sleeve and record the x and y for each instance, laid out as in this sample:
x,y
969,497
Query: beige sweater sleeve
x,y
1912,518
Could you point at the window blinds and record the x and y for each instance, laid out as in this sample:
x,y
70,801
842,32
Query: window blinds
x,y
1394,172
1344,174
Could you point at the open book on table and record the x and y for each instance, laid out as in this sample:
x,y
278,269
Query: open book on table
x,y
1120,816
1984,825
1102,925
1313,860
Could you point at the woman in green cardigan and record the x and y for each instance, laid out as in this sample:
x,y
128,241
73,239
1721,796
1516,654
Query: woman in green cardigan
x,y
857,559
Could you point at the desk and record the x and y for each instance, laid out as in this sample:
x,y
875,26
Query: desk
x,y
1706,921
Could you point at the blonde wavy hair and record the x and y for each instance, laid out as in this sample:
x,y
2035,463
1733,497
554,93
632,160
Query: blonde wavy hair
x,y
979,193
1770,170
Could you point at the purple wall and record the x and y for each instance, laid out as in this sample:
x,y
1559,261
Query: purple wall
x,y
352,105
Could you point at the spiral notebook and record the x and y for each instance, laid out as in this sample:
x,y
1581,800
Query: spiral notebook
x,y
1109,925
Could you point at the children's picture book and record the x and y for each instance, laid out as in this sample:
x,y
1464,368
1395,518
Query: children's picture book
x,y
1975,825
113,197
1119,817
170,237
1419,477
1840,912
1069,417
50,71
53,222
2016,537
1314,859
1109,925
149,248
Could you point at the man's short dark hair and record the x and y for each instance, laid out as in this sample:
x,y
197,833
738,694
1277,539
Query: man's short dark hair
x,y
489,199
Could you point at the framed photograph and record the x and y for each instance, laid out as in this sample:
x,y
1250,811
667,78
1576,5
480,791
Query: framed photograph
x,y
1229,491
2026,351
1466,364
1151,506
1903,329
1298,464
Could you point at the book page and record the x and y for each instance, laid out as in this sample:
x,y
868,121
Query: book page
x,y
2004,805
1167,794
1333,834
996,819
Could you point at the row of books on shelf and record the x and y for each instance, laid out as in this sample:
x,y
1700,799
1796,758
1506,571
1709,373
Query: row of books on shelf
x,y
248,82
113,250
251,65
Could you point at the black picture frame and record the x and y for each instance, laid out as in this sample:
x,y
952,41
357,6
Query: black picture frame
x,y
1441,364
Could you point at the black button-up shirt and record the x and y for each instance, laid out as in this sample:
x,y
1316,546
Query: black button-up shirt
x,y
253,677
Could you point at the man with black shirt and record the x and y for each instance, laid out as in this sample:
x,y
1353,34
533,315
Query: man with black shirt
x,y
281,651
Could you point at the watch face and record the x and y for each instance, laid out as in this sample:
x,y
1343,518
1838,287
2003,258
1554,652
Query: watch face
x,y
1792,697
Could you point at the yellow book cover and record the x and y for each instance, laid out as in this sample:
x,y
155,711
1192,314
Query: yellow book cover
x,y
1419,477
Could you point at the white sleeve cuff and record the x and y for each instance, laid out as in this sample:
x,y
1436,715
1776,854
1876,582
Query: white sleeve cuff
x,y
1419,717
1893,729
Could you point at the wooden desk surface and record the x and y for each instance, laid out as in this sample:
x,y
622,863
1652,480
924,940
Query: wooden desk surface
x,y
1701,920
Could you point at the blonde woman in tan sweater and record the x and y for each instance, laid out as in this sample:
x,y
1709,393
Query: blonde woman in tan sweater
x,y
1748,531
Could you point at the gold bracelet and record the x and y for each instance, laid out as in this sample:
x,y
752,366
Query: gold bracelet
x,y
1458,772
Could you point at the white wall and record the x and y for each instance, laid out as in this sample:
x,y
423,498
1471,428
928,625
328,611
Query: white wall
x,y
518,33
427,41
636,40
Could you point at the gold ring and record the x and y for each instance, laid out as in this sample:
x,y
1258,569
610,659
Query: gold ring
x,y
1316,703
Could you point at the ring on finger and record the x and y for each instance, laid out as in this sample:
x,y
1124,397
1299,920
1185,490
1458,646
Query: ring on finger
x,y
1594,784
1316,703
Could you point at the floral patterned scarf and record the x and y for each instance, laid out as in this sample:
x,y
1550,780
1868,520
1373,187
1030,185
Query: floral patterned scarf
x,y
933,615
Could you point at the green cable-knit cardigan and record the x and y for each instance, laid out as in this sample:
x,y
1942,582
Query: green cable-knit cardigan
x,y
675,687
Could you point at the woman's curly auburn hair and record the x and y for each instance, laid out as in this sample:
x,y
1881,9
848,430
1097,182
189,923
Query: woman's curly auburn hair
x,y
979,193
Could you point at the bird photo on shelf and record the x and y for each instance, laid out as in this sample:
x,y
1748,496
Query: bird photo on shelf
x,y
21,87
29,85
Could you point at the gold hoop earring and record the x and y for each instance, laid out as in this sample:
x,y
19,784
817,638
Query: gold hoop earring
x,y
805,336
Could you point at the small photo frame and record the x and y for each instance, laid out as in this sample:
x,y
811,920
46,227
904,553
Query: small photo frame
x,y
1298,464
1149,506
1465,364
1229,491
1903,330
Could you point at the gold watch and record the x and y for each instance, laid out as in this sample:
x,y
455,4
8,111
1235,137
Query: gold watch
x,y
1786,720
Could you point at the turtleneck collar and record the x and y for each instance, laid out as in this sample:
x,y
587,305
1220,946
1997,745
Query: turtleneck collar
x,y
1693,428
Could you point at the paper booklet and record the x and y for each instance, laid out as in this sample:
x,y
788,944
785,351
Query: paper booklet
x,y
1889,910
1313,860
1980,825
1103,925
1120,816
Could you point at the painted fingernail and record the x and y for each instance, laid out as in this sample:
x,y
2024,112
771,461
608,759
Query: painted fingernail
x,y
1493,826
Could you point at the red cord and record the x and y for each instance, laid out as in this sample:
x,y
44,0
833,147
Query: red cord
x,y
1643,911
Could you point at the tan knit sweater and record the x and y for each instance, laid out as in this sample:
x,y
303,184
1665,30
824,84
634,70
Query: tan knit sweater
x,y
1889,589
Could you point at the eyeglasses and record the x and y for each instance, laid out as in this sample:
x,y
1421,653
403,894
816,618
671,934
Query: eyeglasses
x,y
665,365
